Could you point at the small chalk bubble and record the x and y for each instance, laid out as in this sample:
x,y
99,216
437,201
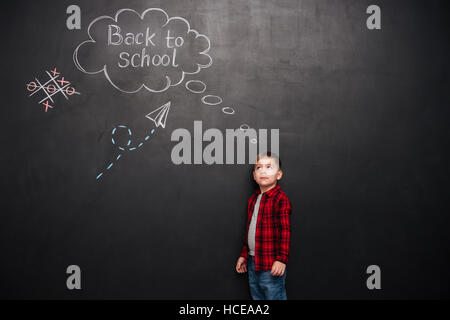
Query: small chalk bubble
x,y
132,148
112,139
109,166
253,141
215,100
99,175
129,142
118,157
114,130
244,127
129,132
192,83
228,110
147,137
140,144
122,126
153,130
121,148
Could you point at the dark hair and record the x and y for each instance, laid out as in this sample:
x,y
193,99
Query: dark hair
x,y
269,154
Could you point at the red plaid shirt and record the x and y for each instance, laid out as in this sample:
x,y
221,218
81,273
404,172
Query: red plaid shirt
x,y
273,229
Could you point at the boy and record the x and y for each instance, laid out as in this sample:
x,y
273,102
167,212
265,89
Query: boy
x,y
268,232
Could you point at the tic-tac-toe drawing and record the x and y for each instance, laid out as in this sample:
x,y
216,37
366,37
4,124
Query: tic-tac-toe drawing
x,y
45,90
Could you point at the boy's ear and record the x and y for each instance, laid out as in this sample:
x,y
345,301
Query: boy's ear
x,y
279,174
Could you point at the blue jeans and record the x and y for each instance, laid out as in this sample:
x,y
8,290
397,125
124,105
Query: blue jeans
x,y
264,286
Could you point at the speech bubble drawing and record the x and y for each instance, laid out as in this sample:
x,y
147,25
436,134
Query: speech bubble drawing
x,y
149,51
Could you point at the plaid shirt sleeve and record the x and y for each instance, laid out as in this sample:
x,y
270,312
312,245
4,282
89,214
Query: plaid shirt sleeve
x,y
283,213
244,251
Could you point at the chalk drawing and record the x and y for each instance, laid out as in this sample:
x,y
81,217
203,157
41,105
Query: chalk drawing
x,y
145,51
50,88
161,51
189,83
244,127
212,100
126,147
228,110
158,116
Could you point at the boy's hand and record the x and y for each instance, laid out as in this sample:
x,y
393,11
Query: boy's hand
x,y
241,266
278,268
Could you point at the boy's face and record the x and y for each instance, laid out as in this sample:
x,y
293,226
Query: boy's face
x,y
266,172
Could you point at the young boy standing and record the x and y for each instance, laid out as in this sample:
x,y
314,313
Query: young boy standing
x,y
266,243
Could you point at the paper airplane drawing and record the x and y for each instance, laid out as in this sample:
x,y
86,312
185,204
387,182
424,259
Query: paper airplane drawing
x,y
159,115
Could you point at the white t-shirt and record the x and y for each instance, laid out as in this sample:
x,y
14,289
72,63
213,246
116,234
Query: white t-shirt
x,y
252,228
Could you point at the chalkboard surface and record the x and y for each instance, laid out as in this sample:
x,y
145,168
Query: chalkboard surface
x,y
363,136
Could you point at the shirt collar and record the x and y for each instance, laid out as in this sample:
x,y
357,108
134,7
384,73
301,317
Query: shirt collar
x,y
269,193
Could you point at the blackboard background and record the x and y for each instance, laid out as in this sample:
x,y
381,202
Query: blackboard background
x,y
363,119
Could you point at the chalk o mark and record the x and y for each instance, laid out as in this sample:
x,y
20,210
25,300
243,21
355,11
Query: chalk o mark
x,y
70,91
51,88
195,81
228,110
31,86
213,103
